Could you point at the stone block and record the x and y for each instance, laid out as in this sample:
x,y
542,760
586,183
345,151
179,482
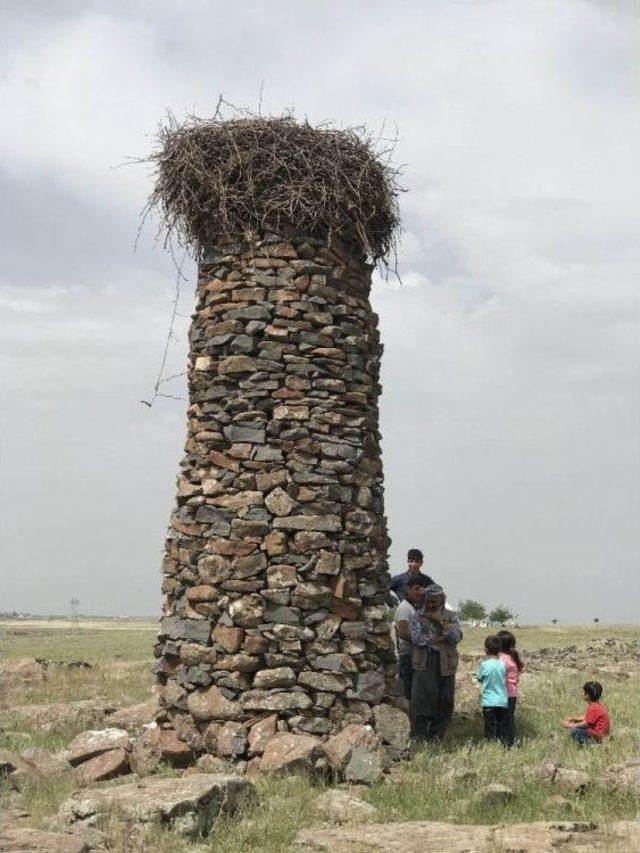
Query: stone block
x,y
212,704
189,805
107,765
289,753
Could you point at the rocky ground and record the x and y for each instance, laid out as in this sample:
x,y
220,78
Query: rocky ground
x,y
116,781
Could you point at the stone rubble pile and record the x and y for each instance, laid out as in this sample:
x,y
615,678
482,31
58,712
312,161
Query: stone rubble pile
x,y
610,655
275,571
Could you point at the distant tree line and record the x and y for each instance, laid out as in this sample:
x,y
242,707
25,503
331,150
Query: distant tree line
x,y
474,611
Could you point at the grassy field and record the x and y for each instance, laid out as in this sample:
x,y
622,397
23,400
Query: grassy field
x,y
419,789
105,640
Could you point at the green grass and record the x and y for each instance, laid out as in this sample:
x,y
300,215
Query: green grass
x,y
120,654
419,789
92,641
534,637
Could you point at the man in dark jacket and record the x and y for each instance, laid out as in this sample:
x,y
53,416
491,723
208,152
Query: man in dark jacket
x,y
413,573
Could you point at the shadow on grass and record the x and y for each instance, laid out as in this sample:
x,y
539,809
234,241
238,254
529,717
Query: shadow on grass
x,y
468,728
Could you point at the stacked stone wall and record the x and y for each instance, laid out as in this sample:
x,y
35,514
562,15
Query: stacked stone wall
x,y
275,571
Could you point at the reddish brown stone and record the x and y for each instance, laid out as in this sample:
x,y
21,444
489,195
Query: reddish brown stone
x,y
87,744
349,609
338,748
230,638
255,645
261,733
201,593
232,547
223,461
275,543
231,739
287,753
174,750
239,663
211,704
107,765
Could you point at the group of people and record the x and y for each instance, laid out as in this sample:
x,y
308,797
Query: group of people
x,y
428,632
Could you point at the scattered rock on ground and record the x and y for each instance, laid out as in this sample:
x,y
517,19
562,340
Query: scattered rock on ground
x,y
539,772
38,841
61,714
30,764
626,774
344,807
45,762
571,781
212,764
134,717
617,656
14,768
366,765
189,804
15,670
494,794
87,744
106,765
437,837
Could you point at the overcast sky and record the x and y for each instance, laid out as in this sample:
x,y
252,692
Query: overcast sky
x,y
510,399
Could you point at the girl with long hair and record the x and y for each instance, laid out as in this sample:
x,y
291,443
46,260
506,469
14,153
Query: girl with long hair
x,y
513,662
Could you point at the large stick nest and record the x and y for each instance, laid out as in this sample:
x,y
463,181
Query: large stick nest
x,y
222,179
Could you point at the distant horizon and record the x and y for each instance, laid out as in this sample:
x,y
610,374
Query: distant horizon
x,y
7,617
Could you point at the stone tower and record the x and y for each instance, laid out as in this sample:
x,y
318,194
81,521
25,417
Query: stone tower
x,y
275,572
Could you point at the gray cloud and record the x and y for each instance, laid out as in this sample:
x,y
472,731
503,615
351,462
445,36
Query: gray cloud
x,y
509,411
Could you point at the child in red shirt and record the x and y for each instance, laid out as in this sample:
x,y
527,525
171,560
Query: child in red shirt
x,y
595,724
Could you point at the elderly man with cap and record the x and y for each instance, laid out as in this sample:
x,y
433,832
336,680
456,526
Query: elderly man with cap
x,y
435,633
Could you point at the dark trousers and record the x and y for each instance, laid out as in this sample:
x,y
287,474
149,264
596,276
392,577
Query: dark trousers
x,y
432,697
496,724
405,672
581,735
511,723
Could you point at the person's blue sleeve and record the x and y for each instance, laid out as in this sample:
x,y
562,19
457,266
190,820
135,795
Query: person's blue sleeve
x,y
479,673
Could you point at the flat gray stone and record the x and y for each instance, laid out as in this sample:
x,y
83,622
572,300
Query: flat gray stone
x,y
440,837
252,435
189,804
329,523
495,795
196,630
38,841
343,807
392,726
264,700
87,744
365,766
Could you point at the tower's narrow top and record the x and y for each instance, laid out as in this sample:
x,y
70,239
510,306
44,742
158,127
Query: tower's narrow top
x,y
222,179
